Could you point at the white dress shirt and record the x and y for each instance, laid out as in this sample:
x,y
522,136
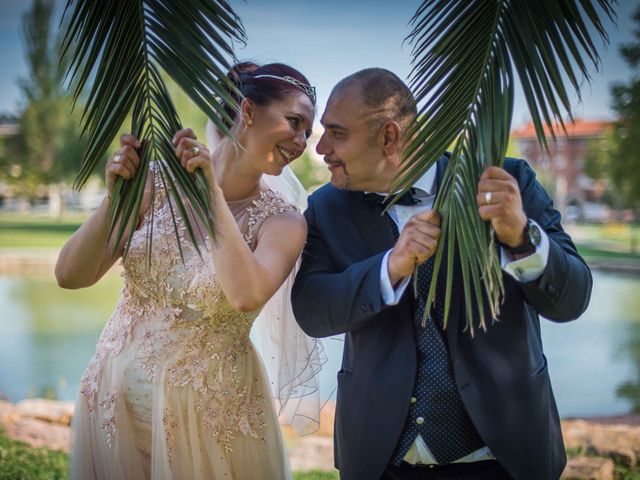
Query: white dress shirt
x,y
523,270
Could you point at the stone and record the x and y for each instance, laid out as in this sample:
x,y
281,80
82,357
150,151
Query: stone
x,y
588,468
6,412
619,442
327,417
312,453
52,411
39,433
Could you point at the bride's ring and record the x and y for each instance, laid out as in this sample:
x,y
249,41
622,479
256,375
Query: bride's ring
x,y
487,198
117,157
194,150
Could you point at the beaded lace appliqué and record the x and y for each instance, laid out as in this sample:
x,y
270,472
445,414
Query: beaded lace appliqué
x,y
269,203
178,321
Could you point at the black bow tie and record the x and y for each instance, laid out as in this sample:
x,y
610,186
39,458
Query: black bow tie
x,y
406,199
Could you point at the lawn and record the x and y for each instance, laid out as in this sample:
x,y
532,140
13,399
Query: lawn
x,y
26,232
594,241
19,461
612,240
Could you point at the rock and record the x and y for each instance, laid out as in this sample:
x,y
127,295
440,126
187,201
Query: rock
x,y
312,453
39,433
628,419
6,413
38,422
618,442
327,416
588,468
48,410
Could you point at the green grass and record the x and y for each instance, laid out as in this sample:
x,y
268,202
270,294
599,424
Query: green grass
x,y
607,240
594,242
19,461
26,232
592,253
36,232
317,475
625,473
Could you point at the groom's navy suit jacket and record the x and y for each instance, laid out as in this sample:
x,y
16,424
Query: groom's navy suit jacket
x,y
501,373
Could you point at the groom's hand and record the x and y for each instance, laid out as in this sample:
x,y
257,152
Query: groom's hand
x,y
416,243
500,202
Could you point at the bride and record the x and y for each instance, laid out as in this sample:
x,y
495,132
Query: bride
x,y
176,388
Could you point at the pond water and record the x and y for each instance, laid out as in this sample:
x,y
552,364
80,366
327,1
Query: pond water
x,y
47,336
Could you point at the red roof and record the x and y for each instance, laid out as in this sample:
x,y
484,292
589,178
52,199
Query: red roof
x,y
580,128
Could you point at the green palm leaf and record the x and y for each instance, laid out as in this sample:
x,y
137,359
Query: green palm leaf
x,y
116,50
466,54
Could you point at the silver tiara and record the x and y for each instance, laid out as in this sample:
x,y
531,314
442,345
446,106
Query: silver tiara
x,y
308,89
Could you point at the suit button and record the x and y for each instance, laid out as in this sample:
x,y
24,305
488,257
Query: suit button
x,y
365,307
551,290
419,420
414,399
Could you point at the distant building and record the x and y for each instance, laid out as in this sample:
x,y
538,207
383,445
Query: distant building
x,y
561,170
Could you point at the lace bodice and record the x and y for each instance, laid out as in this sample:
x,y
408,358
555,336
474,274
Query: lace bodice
x,y
176,317
190,286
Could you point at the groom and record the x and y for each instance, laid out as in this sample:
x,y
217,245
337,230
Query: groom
x,y
419,402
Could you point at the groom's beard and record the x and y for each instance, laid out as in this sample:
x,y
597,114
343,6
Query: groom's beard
x,y
339,176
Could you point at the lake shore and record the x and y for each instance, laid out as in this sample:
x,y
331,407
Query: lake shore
x,y
41,261
599,447
596,446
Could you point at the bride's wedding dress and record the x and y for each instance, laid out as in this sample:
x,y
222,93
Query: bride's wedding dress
x,y
176,389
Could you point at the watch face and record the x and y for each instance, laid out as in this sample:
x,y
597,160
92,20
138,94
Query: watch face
x,y
534,234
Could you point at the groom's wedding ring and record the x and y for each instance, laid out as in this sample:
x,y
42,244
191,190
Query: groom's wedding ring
x,y
194,150
487,198
117,157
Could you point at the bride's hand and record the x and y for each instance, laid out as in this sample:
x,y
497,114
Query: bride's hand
x,y
193,154
123,163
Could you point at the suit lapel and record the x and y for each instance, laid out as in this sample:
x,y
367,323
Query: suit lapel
x,y
372,226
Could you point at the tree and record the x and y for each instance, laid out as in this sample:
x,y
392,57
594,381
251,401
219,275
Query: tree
x,y
597,166
616,157
308,172
624,156
48,140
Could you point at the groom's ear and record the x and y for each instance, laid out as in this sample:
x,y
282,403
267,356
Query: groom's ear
x,y
391,137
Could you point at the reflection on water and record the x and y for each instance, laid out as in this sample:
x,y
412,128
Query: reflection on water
x,y
47,336
590,359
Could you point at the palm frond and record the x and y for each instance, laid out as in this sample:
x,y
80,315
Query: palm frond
x,y
116,50
465,53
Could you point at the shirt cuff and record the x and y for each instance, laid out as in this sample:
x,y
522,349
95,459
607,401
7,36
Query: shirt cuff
x,y
528,268
389,295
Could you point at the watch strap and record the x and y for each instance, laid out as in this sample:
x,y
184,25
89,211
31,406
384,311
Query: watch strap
x,y
527,247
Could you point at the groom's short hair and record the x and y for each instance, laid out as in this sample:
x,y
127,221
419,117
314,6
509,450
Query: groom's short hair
x,y
384,93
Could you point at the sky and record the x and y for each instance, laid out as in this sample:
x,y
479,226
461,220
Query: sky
x,y
330,39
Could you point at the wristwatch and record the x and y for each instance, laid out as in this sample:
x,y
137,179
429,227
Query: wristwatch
x,y
532,239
